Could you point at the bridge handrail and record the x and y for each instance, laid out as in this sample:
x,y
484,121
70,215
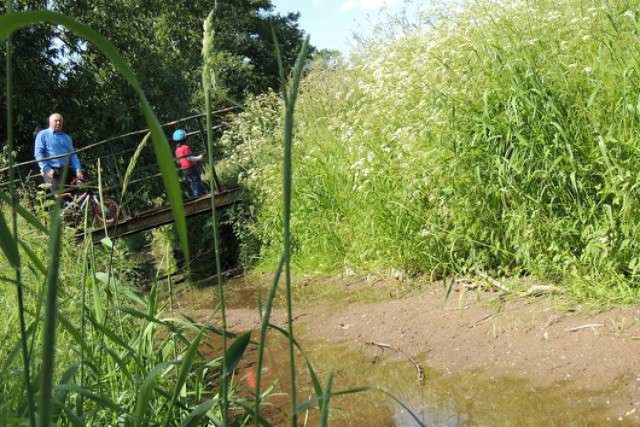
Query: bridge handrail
x,y
114,138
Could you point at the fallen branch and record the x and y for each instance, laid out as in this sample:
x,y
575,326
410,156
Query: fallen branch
x,y
382,346
590,325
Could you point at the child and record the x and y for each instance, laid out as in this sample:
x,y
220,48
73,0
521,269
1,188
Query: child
x,y
188,163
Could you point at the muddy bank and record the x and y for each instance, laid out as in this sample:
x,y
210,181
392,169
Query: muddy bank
x,y
589,360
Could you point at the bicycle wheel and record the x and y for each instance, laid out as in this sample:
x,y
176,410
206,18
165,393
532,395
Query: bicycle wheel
x,y
109,207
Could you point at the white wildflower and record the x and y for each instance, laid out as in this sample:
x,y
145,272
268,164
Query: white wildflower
x,y
587,70
424,232
630,14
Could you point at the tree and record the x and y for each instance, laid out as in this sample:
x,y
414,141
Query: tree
x,y
36,83
162,41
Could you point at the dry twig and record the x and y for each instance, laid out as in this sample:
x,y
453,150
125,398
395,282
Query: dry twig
x,y
590,325
382,346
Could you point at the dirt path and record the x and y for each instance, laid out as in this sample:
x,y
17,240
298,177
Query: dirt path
x,y
528,338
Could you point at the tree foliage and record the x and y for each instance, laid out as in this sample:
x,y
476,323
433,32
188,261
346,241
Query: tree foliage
x,y
162,41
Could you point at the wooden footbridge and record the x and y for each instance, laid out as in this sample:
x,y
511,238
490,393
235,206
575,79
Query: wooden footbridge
x,y
144,206
153,218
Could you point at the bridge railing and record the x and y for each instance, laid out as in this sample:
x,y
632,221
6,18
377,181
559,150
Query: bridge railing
x,y
145,189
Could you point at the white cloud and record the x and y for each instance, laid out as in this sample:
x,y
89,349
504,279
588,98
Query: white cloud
x,y
350,5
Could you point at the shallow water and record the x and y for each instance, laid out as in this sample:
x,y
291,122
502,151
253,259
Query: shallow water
x,y
443,400
462,399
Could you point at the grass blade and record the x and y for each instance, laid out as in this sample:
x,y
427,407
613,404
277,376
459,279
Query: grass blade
x,y
198,412
103,401
26,215
144,394
235,352
187,363
51,309
8,243
290,102
324,407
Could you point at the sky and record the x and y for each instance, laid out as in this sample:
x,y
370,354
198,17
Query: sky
x,y
331,23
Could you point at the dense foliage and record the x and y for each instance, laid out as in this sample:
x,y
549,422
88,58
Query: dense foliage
x,y
503,137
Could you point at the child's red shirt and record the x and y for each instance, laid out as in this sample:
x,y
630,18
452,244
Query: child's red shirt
x,y
182,154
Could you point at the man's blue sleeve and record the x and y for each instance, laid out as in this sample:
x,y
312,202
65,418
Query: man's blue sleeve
x,y
75,160
40,152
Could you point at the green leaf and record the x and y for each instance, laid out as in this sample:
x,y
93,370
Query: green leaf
x,y
236,351
8,244
198,412
33,257
317,387
98,303
103,401
11,355
144,394
28,216
112,336
187,363
261,421
73,331
107,243
324,407
138,314
51,309
121,363
60,395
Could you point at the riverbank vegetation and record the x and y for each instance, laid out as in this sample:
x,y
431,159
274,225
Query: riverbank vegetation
x,y
497,137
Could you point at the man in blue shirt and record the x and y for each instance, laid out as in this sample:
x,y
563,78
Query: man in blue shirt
x,y
51,146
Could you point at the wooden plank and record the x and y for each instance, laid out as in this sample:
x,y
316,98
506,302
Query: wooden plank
x,y
162,216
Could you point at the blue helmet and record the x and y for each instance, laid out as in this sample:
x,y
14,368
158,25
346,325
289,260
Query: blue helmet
x,y
179,135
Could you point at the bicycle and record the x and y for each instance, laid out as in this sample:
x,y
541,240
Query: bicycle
x,y
78,194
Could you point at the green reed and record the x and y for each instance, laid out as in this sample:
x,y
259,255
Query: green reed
x,y
6,232
209,86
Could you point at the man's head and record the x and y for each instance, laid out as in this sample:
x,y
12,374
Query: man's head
x,y
179,136
56,122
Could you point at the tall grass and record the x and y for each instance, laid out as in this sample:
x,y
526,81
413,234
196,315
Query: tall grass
x,y
11,245
501,138
209,86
